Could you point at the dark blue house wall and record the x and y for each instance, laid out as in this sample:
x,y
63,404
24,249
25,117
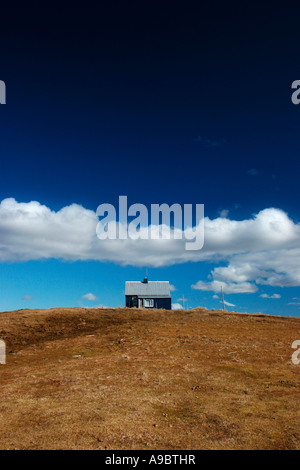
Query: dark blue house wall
x,y
128,300
165,303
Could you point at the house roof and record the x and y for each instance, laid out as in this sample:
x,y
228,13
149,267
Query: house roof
x,y
150,289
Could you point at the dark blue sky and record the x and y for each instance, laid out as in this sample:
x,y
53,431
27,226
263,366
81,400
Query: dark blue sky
x,y
163,104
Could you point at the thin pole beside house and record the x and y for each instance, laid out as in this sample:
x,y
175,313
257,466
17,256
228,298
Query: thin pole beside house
x,y
223,298
182,300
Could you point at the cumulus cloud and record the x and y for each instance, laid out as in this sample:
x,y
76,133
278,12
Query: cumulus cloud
x,y
274,296
177,306
172,288
275,267
89,297
267,250
261,250
27,298
228,288
31,231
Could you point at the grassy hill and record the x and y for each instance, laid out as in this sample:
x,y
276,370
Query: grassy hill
x,y
139,379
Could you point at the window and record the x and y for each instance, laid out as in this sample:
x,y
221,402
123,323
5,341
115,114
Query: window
x,y
148,303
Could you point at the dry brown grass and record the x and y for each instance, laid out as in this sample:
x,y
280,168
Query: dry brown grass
x,y
148,380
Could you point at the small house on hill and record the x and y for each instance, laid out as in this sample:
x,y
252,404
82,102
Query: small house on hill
x,y
148,294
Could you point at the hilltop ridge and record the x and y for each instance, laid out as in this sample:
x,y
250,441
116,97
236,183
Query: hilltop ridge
x,y
139,379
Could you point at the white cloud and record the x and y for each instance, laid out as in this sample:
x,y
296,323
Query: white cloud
x,y
177,306
275,267
95,307
266,252
27,298
274,296
228,288
228,304
262,250
294,303
215,296
224,213
172,288
89,297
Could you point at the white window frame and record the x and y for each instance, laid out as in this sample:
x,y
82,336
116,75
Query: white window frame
x,y
150,303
